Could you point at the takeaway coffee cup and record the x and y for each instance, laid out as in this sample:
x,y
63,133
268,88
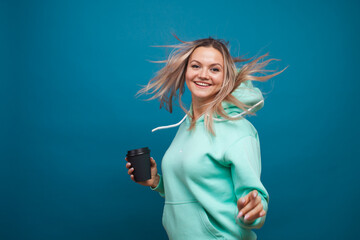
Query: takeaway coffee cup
x,y
140,161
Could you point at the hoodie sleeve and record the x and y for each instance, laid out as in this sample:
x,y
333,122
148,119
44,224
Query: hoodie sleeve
x,y
243,157
160,187
247,94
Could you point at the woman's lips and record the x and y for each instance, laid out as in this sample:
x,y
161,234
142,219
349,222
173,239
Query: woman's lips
x,y
202,84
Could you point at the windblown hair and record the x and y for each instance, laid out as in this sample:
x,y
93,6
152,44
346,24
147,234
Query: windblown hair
x,y
169,82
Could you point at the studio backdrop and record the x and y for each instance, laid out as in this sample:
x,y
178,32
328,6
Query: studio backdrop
x,y
69,73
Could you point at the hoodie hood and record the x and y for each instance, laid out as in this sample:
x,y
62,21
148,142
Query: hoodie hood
x,y
245,93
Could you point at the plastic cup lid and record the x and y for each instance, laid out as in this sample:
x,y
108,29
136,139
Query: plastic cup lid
x,y
138,151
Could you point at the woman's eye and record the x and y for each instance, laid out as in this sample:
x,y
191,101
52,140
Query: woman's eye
x,y
216,70
194,66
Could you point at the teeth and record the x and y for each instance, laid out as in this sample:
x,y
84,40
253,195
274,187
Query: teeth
x,y
202,84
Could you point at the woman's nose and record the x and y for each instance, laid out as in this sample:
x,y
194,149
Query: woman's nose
x,y
203,73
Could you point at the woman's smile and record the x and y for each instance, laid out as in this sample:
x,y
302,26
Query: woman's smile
x,y
202,84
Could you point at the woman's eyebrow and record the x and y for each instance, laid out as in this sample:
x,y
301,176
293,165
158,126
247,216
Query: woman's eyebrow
x,y
210,64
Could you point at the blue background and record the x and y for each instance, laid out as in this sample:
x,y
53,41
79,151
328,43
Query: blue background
x,y
69,73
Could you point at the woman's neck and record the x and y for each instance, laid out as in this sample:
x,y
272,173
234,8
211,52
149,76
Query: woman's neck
x,y
198,109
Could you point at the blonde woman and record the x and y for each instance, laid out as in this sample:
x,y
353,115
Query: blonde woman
x,y
211,172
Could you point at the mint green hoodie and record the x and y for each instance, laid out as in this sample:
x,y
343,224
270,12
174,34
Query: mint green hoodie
x,y
205,175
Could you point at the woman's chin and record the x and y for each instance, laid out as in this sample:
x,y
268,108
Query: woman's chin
x,y
202,97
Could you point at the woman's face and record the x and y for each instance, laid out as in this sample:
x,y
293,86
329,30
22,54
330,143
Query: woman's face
x,y
204,74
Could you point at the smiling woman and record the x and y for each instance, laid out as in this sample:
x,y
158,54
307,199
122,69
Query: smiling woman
x,y
211,171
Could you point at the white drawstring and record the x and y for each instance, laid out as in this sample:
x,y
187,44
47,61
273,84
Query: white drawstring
x,y
170,126
240,114
216,119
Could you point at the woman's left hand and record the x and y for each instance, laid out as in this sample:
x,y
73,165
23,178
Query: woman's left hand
x,y
250,207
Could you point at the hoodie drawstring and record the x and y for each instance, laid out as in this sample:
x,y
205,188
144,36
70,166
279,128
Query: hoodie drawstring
x,y
216,119
170,126
240,114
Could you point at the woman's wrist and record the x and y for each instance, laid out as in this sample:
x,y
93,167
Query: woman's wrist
x,y
156,181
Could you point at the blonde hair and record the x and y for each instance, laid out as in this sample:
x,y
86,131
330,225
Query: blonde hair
x,y
169,82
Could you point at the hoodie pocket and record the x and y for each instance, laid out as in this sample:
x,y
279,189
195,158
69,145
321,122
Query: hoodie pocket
x,y
188,220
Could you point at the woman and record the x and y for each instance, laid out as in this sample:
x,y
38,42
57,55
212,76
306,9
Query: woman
x,y
211,171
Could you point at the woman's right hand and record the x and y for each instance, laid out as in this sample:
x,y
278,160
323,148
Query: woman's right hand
x,y
153,181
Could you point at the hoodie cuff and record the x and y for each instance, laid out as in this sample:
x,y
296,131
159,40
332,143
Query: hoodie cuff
x,y
160,187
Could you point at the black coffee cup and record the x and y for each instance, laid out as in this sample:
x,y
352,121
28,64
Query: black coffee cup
x,y
140,161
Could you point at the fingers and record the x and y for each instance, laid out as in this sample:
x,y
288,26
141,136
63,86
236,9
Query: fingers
x,y
248,203
253,194
130,171
262,213
241,203
255,213
128,165
132,178
152,162
245,200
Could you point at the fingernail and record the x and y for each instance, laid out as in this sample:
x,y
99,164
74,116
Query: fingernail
x,y
240,214
246,217
243,200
